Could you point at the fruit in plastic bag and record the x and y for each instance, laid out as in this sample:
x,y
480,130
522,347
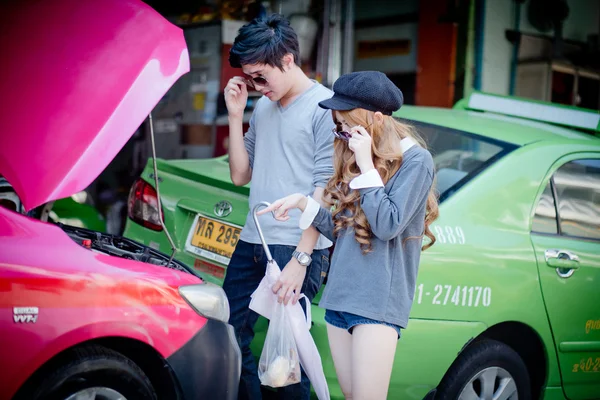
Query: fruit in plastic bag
x,y
279,363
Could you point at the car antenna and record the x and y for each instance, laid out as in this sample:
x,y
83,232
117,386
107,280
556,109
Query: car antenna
x,y
160,214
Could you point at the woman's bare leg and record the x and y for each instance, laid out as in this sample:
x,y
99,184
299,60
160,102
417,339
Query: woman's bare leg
x,y
373,351
340,343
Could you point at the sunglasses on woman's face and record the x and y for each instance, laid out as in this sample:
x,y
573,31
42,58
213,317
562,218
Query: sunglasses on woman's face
x,y
259,80
341,134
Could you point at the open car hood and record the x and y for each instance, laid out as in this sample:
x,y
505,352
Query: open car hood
x,y
77,79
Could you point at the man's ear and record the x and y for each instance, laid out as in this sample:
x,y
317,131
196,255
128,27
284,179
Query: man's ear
x,y
288,60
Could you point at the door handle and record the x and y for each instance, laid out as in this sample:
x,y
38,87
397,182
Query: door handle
x,y
564,261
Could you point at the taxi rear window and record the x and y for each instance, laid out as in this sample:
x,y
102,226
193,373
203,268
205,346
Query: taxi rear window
x,y
458,155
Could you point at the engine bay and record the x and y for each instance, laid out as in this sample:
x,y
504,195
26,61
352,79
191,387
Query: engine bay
x,y
119,246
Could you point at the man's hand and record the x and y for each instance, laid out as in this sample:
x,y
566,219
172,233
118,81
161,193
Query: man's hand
x,y
236,96
290,282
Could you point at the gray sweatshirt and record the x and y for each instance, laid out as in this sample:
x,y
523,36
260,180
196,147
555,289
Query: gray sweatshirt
x,y
290,150
381,284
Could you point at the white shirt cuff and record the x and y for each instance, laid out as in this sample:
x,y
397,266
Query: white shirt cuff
x,y
309,214
367,180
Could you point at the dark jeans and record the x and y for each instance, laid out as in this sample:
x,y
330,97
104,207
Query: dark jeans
x,y
245,271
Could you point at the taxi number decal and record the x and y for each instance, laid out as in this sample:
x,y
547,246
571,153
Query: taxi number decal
x,y
589,365
592,325
449,234
462,296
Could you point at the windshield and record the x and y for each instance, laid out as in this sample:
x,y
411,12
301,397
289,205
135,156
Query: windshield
x,y
458,156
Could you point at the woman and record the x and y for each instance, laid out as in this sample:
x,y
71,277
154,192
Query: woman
x,y
383,203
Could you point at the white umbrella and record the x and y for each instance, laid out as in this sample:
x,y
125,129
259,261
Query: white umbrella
x,y
263,302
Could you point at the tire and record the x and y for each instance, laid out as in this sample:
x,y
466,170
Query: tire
x,y
106,374
486,365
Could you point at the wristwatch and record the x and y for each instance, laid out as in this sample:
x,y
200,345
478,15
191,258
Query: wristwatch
x,y
303,258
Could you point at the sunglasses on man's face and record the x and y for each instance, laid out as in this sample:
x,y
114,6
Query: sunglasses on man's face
x,y
252,82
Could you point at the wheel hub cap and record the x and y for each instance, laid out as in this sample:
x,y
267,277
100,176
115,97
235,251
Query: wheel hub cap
x,y
492,383
97,393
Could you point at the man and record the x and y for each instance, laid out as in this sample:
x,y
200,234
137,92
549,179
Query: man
x,y
288,148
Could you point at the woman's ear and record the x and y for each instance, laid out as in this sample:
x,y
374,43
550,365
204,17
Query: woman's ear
x,y
378,117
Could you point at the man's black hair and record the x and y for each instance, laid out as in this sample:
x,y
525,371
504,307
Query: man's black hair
x,y
265,41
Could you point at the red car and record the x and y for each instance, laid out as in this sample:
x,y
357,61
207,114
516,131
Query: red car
x,y
85,315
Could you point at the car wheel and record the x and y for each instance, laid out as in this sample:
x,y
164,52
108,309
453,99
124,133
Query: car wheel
x,y
92,373
486,370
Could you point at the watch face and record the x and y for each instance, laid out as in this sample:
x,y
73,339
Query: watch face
x,y
303,258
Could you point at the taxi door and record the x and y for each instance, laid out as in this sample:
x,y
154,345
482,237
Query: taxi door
x,y
566,236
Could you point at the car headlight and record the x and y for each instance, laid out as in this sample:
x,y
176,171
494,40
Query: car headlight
x,y
209,300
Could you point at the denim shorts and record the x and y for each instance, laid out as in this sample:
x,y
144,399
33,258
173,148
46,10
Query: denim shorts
x,y
345,320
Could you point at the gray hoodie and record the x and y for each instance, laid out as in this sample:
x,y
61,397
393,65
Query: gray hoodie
x,y
381,284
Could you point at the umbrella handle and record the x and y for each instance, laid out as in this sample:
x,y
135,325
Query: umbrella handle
x,y
262,238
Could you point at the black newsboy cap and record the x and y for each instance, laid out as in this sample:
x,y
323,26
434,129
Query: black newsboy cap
x,y
371,90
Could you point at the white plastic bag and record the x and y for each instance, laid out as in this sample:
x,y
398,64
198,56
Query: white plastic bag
x,y
279,363
264,302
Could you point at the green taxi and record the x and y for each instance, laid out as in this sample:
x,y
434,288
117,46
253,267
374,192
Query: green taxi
x,y
507,304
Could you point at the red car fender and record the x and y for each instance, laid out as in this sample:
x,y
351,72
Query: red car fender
x,y
163,328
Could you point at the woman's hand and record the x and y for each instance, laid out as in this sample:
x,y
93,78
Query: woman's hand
x,y
281,207
360,144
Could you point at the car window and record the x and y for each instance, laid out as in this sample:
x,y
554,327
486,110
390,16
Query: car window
x,y
578,198
544,220
458,156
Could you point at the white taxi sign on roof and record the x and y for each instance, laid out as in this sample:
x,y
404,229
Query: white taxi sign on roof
x,y
534,110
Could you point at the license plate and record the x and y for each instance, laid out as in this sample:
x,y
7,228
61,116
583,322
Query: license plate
x,y
213,239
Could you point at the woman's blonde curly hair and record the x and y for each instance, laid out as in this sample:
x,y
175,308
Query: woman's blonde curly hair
x,y
387,158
